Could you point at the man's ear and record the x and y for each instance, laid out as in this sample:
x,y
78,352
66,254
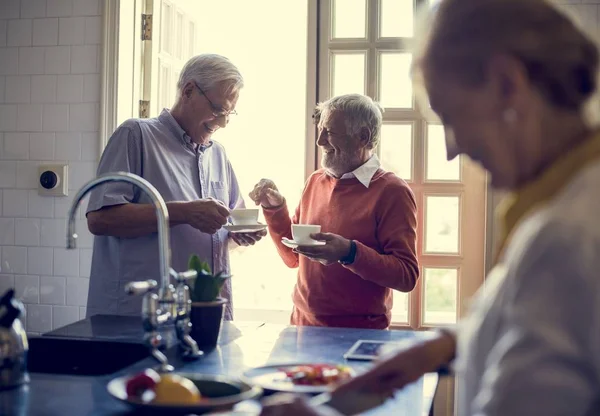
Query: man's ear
x,y
188,90
365,135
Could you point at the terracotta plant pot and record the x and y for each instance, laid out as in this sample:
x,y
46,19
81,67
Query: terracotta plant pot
x,y
206,318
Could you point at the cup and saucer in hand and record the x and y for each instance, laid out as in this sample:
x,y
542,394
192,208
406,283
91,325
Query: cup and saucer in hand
x,y
301,234
244,220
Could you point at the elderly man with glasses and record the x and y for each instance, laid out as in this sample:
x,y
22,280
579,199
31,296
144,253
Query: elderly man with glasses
x,y
368,220
175,152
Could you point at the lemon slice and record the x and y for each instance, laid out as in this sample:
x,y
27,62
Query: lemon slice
x,y
176,390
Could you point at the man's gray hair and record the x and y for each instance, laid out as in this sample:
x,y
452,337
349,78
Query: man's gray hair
x,y
208,70
360,111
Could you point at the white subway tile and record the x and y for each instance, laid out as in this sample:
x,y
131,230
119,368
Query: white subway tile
x,y
56,118
41,146
64,315
8,175
33,8
86,8
45,32
43,89
91,88
90,143
16,146
31,60
27,232
62,205
68,146
9,61
18,89
39,318
39,260
58,60
53,232
27,175
27,288
8,117
82,312
7,281
14,202
66,262
3,30
85,262
71,31
14,260
10,9
53,290
69,88
59,8
93,30
80,173
19,32
29,117
7,231
2,89
40,206
84,117
77,291
83,59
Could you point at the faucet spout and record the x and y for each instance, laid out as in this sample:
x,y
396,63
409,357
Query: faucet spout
x,y
162,215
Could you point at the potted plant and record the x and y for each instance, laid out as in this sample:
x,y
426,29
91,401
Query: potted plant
x,y
207,307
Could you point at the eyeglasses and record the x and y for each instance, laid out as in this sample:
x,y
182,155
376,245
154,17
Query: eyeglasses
x,y
216,111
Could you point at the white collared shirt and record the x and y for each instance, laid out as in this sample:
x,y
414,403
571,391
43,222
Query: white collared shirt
x,y
365,172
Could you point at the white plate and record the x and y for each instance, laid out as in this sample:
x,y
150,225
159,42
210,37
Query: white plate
x,y
272,378
292,244
232,391
249,228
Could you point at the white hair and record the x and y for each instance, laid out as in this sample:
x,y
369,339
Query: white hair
x,y
208,70
360,111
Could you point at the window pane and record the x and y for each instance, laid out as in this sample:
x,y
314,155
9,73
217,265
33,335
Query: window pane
x,y
400,309
440,296
349,18
442,224
395,86
165,29
260,278
438,166
396,149
397,18
348,73
179,27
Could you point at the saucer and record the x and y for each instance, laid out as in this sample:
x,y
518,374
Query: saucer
x,y
292,244
245,228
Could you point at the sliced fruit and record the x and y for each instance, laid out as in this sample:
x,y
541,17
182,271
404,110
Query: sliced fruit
x,y
176,390
140,383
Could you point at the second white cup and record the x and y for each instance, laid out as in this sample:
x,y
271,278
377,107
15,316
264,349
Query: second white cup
x,y
302,232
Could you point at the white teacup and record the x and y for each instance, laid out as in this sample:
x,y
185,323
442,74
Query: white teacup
x,y
244,216
302,232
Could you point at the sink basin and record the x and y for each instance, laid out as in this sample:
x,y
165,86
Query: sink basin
x,y
81,356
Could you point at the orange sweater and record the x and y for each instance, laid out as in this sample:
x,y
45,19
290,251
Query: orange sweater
x,y
382,220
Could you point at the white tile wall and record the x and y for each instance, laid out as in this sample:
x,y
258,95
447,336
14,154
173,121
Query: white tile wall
x,y
49,112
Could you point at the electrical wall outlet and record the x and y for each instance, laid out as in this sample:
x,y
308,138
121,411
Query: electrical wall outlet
x,y
53,180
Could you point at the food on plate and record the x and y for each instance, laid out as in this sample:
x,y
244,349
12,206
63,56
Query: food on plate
x,y
177,390
317,374
139,384
149,386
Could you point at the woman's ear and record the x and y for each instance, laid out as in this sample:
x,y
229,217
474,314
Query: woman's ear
x,y
508,77
365,135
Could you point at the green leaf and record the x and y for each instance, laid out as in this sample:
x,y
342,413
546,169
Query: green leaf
x,y
205,287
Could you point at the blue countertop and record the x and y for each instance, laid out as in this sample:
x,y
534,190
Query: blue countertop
x,y
242,345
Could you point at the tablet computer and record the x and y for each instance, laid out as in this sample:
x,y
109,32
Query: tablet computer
x,y
365,350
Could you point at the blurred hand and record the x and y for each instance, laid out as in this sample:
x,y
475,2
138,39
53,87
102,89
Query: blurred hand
x,y
248,239
265,193
207,215
336,248
291,405
403,368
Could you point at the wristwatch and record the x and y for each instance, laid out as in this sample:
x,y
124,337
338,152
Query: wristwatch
x,y
349,259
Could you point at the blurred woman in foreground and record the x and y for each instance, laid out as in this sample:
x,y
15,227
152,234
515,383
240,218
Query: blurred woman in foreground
x,y
510,80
